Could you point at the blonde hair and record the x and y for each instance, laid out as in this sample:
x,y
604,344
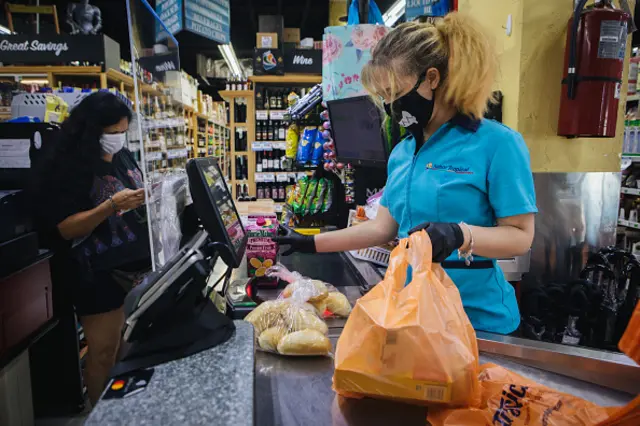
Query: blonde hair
x,y
456,46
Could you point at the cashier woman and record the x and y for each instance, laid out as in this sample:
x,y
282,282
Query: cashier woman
x,y
466,180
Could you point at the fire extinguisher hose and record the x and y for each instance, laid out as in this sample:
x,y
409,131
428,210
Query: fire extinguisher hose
x,y
572,77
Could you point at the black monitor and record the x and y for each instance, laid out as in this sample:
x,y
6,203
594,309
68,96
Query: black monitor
x,y
215,207
358,135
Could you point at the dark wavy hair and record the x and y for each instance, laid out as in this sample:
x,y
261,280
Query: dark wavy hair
x,y
70,165
80,133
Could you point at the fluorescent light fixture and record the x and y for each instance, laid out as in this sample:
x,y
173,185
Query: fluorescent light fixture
x,y
394,13
38,81
231,59
4,30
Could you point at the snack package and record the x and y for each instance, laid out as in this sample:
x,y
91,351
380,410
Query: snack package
x,y
292,141
305,147
318,150
299,194
262,251
328,198
318,199
510,399
410,343
311,192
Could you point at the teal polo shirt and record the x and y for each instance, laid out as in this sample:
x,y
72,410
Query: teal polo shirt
x,y
473,172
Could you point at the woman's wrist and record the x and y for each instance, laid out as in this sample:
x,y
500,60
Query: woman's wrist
x,y
466,232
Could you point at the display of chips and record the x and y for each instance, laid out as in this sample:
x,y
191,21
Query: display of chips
x,y
292,141
328,199
318,148
305,146
308,198
318,199
299,195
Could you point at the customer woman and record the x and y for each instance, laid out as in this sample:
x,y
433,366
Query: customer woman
x,y
464,179
90,193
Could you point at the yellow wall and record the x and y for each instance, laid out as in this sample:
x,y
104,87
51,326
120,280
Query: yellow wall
x,y
531,71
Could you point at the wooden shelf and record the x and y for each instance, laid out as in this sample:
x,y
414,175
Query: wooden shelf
x,y
61,70
286,79
629,224
228,94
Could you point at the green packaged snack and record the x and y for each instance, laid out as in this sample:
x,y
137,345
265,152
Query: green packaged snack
x,y
318,198
328,198
299,195
308,198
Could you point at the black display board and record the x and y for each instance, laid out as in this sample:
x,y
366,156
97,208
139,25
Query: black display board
x,y
303,61
45,49
158,65
268,62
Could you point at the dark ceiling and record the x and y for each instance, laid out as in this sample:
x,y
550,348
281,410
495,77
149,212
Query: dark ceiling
x,y
312,16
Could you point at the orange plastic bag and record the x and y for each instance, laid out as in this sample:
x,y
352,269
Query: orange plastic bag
x,y
412,343
510,399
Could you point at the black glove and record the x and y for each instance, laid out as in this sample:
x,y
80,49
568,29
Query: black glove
x,y
445,238
297,242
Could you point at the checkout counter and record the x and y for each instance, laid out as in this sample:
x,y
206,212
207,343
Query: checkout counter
x,y
230,383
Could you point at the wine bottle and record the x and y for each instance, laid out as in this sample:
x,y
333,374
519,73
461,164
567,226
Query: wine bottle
x,y
258,162
270,162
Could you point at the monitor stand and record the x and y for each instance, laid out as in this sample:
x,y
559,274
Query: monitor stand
x,y
193,325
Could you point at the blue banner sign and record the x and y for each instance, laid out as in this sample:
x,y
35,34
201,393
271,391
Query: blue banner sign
x,y
170,12
208,18
416,8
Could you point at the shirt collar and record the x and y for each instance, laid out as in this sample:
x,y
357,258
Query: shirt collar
x,y
466,122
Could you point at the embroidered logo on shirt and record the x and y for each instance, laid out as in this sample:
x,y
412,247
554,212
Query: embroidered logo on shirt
x,y
449,168
407,119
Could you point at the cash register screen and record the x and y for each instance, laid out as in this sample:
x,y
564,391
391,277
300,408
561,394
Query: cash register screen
x,y
215,208
357,131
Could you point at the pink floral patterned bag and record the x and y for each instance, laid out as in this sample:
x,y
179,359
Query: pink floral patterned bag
x,y
345,50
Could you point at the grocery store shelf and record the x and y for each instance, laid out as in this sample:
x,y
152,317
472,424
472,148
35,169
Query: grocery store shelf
x,y
632,98
226,94
629,224
62,70
630,191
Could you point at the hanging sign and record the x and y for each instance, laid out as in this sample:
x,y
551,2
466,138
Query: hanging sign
x,y
416,8
208,18
303,61
170,12
158,65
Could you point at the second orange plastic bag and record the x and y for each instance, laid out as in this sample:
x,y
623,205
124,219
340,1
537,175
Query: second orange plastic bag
x,y
412,343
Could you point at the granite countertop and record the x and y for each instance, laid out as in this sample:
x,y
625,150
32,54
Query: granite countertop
x,y
213,387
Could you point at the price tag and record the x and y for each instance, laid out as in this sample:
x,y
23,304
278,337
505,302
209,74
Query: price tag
x,y
268,177
282,177
154,156
301,175
257,146
258,177
262,115
277,115
267,146
279,145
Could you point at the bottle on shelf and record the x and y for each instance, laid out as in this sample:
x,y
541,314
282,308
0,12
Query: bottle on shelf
x,y
269,130
267,190
259,100
265,164
258,162
260,191
273,100
281,192
282,131
276,161
279,103
270,162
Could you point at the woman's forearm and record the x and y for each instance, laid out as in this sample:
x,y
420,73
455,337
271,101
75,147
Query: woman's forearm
x,y
365,235
83,223
504,240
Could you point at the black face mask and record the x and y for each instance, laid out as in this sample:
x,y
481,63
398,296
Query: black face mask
x,y
412,111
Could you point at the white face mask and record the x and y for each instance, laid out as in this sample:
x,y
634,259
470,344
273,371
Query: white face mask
x,y
112,143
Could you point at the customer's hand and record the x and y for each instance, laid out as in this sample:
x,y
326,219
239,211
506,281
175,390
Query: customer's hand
x,y
445,238
297,242
128,199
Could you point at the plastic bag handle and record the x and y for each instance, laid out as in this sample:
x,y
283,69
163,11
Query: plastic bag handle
x,y
415,251
374,15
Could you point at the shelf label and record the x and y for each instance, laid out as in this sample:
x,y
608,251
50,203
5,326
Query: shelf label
x,y
262,115
267,146
301,175
277,115
267,177
257,146
154,156
279,145
282,177
258,177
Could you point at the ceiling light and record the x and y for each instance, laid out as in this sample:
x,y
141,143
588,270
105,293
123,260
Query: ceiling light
x,y
394,13
231,59
39,81
5,30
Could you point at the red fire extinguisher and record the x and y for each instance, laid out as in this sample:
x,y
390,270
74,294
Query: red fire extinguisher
x,y
593,66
